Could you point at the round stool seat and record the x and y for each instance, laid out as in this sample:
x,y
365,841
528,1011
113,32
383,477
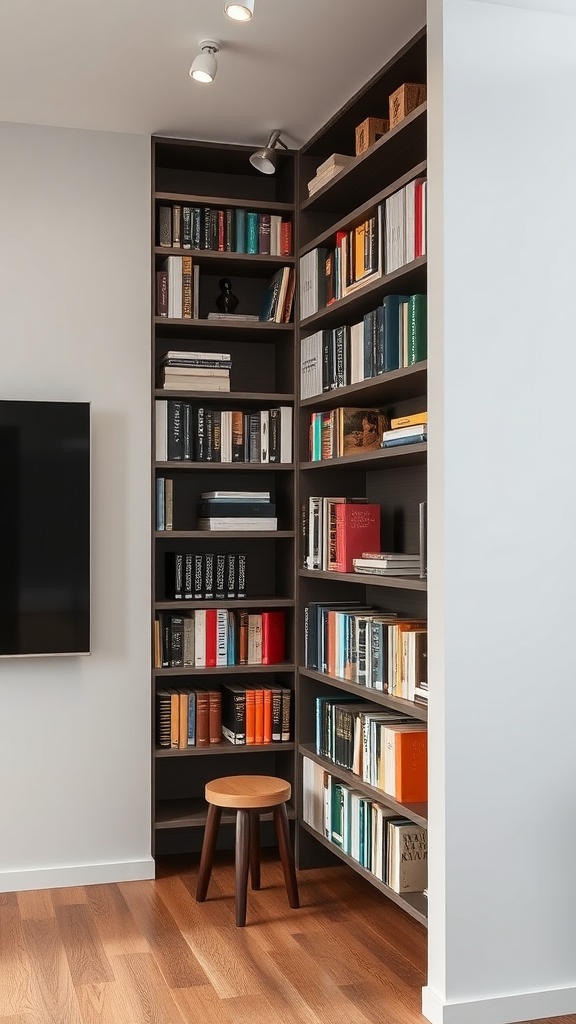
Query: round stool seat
x,y
245,792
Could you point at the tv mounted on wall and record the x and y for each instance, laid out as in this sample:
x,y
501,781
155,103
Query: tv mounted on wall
x,y
44,528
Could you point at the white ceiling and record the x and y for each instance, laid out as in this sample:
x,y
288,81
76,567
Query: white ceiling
x,y
122,65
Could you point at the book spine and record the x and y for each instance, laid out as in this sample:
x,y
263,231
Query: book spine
x,y
252,232
286,238
174,575
162,293
220,577
176,214
199,435
241,583
286,714
198,584
175,431
264,234
196,227
176,641
186,227
208,576
202,718
237,436
229,231
231,573
165,226
188,577
240,230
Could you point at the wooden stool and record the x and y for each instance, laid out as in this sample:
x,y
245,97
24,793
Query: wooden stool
x,y
249,796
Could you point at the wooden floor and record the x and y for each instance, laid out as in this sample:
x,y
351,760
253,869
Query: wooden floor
x,y
147,953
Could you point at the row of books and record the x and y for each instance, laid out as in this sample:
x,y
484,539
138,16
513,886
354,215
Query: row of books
x,y
393,848
178,293
345,431
197,717
194,371
390,337
205,576
224,230
217,637
335,530
369,647
185,431
392,237
382,747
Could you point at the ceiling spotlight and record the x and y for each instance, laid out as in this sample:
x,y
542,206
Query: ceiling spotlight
x,y
239,12
204,66
265,159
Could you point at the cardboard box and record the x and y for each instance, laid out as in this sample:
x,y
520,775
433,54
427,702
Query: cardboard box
x,y
404,100
367,133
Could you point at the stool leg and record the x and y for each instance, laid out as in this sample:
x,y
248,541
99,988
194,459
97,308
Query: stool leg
x,y
286,855
242,861
207,856
255,849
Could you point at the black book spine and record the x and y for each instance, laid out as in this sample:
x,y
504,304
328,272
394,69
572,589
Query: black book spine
x,y
208,576
276,714
216,435
206,232
231,573
208,435
220,577
176,641
196,227
187,442
326,350
188,577
214,230
340,369
246,437
175,431
198,582
229,231
186,227
274,436
379,363
165,636
174,570
200,435
254,437
423,539
241,587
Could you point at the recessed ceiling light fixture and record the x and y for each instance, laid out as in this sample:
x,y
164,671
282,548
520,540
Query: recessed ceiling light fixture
x,y
204,66
265,159
239,11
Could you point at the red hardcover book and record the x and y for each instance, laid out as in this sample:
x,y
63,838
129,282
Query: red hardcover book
x,y
357,530
250,716
273,637
211,622
286,238
221,231
258,716
214,716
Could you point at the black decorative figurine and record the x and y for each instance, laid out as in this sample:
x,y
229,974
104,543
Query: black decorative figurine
x,y
227,301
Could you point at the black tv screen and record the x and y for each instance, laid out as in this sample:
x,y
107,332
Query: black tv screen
x,y
44,528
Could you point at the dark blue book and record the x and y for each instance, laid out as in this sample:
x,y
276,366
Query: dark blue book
x,y
392,332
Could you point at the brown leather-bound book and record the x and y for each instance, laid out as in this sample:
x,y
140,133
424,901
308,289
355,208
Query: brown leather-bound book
x,y
162,293
215,716
243,639
202,718
286,238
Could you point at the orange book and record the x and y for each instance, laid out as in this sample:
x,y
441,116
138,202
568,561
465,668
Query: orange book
x,y
331,646
174,717
182,719
258,716
250,716
406,762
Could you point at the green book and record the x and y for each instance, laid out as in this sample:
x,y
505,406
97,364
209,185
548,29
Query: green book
x,y
417,329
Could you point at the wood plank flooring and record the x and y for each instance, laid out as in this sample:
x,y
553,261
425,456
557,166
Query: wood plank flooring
x,y
147,953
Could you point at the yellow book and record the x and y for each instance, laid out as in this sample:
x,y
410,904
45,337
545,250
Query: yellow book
x,y
359,242
409,421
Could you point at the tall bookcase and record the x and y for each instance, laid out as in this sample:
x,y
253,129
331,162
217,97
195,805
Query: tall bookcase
x,y
393,478
262,377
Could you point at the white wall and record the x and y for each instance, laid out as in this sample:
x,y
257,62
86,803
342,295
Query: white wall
x,y
75,325
502,495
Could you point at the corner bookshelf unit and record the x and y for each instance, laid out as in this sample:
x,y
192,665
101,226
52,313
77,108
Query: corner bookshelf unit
x,y
392,478
209,204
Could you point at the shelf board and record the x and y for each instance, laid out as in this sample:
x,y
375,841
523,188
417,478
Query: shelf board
x,y
395,386
192,813
410,279
268,467
247,602
191,199
416,812
225,397
205,325
401,455
414,903
336,192
418,711
224,748
239,263
224,535
367,579
223,670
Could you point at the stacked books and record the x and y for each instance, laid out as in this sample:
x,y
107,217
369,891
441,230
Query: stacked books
x,y
195,371
328,170
406,430
236,511
387,563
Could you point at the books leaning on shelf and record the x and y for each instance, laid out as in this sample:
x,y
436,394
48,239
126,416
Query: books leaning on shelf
x,y
223,230
405,225
188,717
392,847
178,288
366,646
390,337
386,563
256,713
218,637
205,576
279,297
328,274
199,433
346,432
336,530
195,371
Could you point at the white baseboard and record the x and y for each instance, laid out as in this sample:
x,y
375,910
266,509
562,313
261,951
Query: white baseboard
x,y
500,1009
76,874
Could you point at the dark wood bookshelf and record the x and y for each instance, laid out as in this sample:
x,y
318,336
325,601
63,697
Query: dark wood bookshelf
x,y
394,478
368,579
401,455
418,711
262,376
414,903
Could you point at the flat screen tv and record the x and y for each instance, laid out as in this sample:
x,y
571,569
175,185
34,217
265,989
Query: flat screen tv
x,y
44,528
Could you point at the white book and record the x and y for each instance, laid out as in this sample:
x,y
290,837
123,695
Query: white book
x,y
410,200
286,433
176,354
226,436
311,366
264,432
173,265
239,495
200,637
275,233
161,429
221,636
408,864
242,523
356,353
196,384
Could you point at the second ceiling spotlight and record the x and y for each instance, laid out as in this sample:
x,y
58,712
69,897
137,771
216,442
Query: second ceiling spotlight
x,y
204,66
239,11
